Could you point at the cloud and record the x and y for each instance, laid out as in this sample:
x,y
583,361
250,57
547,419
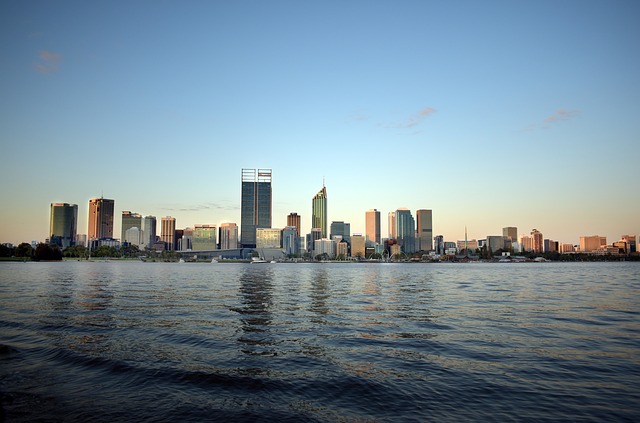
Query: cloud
x,y
413,120
48,61
561,115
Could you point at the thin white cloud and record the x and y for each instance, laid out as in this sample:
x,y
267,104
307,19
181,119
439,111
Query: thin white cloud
x,y
560,115
413,120
48,62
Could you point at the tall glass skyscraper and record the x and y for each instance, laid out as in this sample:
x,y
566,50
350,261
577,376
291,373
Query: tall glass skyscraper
x,y
149,225
130,220
63,225
319,213
100,218
255,209
405,230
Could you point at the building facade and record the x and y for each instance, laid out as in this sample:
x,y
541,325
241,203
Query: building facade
x,y
342,229
589,244
130,220
204,237
358,246
168,232
372,226
392,225
255,209
149,227
228,236
405,230
63,224
268,238
319,211
293,219
538,241
100,218
424,230
511,233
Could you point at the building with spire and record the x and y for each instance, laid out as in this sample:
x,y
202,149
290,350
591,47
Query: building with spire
x,y
100,218
319,211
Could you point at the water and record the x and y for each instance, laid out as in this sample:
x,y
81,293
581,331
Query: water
x,y
129,341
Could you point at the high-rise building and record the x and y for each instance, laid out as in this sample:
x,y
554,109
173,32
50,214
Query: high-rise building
x,y
358,247
526,243
424,230
63,225
228,236
100,218
293,219
255,211
392,225
592,243
631,242
168,232
130,220
290,240
372,226
342,229
149,225
268,238
439,244
316,234
405,230
203,237
511,233
538,241
319,211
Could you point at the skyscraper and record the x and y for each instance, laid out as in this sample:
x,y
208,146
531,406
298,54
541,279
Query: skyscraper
x,y
392,225
228,236
405,230
424,230
511,233
168,232
340,229
130,220
294,220
149,231
63,226
255,209
319,214
538,241
204,237
100,218
372,226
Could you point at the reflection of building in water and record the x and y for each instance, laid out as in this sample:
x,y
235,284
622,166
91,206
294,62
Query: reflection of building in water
x,y
256,291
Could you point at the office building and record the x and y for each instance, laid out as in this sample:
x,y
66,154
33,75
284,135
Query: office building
x,y
631,242
589,244
511,233
63,224
268,238
168,232
293,219
424,230
149,226
358,246
316,234
134,236
538,241
130,220
372,226
203,237
324,247
255,211
405,230
101,213
392,225
228,236
341,229
526,243
290,240
495,243
319,211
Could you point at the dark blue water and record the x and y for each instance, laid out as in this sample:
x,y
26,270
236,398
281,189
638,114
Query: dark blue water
x,y
125,341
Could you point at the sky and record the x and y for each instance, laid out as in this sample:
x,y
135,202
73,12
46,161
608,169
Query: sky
x,y
491,114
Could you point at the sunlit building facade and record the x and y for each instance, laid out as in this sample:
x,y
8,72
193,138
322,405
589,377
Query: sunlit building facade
x,y
168,232
372,226
101,213
203,237
268,238
424,230
358,247
228,236
293,219
130,220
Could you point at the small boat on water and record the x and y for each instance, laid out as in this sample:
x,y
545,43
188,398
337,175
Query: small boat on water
x,y
181,261
256,260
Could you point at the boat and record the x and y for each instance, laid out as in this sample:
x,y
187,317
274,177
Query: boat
x,y
258,260
214,260
181,261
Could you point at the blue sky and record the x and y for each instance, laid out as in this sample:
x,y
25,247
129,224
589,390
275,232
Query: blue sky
x,y
492,114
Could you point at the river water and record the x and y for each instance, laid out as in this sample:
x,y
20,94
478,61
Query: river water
x,y
132,341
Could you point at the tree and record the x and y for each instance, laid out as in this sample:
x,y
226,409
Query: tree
x,y
24,250
47,252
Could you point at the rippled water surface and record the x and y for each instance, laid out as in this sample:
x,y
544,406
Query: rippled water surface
x,y
129,341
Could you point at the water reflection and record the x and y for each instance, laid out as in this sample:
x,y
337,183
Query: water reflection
x,y
256,293
319,294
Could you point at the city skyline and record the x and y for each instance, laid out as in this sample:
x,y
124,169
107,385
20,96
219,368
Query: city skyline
x,y
490,114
